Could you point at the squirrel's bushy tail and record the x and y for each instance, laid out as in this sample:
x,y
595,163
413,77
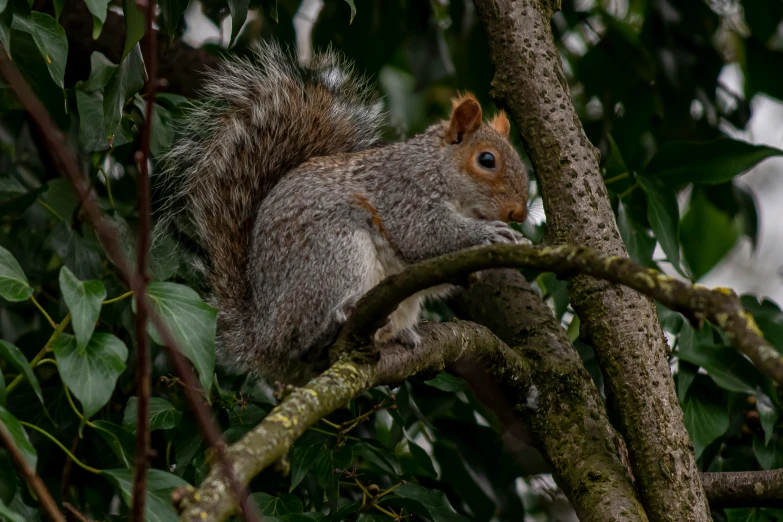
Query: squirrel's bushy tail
x,y
262,116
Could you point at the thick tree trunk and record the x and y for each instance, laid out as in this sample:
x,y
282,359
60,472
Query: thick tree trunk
x,y
563,407
621,325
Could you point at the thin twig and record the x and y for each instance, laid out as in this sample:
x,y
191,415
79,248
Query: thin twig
x,y
75,512
32,478
41,309
57,143
143,369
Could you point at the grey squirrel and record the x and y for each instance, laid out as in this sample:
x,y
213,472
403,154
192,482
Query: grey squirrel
x,y
282,178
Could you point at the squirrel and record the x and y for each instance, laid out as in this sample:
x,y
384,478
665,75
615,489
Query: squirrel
x,y
281,177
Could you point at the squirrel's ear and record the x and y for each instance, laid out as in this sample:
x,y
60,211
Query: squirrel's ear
x,y
501,124
465,118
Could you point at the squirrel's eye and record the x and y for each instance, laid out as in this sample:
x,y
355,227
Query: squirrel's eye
x,y
486,160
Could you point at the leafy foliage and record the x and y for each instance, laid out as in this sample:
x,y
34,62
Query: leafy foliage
x,y
427,447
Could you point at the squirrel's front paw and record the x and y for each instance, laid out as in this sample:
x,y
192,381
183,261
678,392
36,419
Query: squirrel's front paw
x,y
408,338
500,232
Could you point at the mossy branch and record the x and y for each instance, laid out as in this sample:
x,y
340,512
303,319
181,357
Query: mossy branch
x,y
273,438
744,489
697,303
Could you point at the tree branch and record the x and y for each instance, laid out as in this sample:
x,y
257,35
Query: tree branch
x,y
32,478
143,368
744,489
621,326
441,344
588,458
720,306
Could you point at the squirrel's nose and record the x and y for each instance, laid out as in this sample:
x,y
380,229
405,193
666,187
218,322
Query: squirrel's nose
x,y
518,214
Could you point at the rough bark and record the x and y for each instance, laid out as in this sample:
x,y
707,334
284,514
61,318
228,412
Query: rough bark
x,y
744,489
721,306
565,411
621,325
270,440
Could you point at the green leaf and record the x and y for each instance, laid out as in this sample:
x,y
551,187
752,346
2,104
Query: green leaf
x,y
121,441
135,25
637,239
92,132
14,356
353,9
98,10
101,72
127,81
748,514
706,418
664,216
13,283
277,506
91,373
171,12
238,17
84,300
768,413
162,415
19,436
749,210
707,235
160,484
768,317
192,323
445,381
302,461
77,254
727,367
49,38
9,515
15,198
8,478
770,456
2,390
435,504
681,162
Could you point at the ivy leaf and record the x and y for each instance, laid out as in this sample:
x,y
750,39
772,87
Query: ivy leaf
x,y
13,283
277,506
636,238
160,484
16,358
98,10
768,413
728,368
162,415
77,254
49,38
434,503
135,25
9,423
121,441
770,456
127,81
171,12
302,461
84,300
101,72
91,373
747,514
706,418
353,9
681,162
192,323
7,513
664,216
92,132
238,17
707,235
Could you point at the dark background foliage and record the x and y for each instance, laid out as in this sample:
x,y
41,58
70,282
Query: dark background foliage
x,y
645,77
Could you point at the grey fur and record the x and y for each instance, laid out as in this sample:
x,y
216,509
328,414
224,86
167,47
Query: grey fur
x,y
282,178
